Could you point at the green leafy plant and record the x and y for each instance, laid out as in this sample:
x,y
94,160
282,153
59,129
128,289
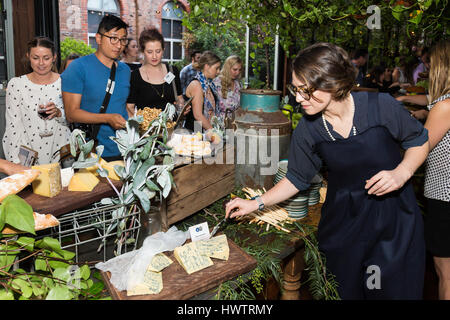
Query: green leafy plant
x,y
71,45
51,274
146,174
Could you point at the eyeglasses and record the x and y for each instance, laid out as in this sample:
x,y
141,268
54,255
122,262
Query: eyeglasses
x,y
115,40
303,90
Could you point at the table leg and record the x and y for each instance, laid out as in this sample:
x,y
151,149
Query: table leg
x,y
292,273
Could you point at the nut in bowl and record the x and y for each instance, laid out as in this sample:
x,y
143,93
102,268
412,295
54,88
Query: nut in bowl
x,y
149,114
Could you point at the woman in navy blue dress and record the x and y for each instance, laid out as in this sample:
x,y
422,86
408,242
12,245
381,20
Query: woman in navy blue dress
x,y
371,229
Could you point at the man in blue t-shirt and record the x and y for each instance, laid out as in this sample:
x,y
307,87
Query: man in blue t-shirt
x,y
84,85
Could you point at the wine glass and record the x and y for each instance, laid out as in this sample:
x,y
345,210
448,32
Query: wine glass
x,y
41,110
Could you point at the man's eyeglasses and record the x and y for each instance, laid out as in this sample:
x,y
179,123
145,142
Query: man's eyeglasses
x,y
303,90
115,40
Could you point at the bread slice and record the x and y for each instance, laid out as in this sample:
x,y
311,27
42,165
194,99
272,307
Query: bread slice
x,y
41,222
16,182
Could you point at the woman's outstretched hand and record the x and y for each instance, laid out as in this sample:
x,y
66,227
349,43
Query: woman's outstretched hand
x,y
240,207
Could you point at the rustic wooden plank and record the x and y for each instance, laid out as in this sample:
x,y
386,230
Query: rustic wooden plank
x,y
194,177
200,199
178,285
68,201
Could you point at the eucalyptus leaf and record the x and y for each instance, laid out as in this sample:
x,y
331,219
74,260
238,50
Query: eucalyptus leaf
x,y
145,202
102,172
87,147
89,162
151,185
106,201
142,172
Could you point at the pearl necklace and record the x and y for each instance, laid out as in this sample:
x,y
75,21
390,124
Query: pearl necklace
x,y
328,130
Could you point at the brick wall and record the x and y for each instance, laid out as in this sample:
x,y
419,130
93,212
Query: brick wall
x,y
74,18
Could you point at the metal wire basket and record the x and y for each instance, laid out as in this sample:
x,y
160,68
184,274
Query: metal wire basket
x,y
86,231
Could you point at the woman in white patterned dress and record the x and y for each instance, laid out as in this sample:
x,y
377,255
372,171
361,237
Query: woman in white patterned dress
x,y
25,95
228,85
437,170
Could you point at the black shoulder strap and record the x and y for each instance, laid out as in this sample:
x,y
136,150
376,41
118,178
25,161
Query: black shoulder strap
x,y
109,91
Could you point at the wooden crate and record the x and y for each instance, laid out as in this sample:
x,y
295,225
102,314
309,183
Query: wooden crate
x,y
199,184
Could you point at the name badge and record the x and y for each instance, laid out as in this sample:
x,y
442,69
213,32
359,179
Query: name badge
x,y
169,77
199,232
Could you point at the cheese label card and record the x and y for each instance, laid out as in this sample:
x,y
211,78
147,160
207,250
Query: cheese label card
x,y
169,77
199,232
152,284
159,262
190,259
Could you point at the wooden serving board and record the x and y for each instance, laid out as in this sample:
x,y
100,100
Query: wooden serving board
x,y
67,201
179,285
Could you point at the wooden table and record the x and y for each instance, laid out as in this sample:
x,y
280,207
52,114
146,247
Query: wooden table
x,y
178,285
68,201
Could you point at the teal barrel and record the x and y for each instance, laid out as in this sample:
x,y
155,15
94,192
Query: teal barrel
x,y
261,138
260,100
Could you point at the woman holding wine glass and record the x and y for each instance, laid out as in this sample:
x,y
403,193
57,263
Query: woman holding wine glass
x,y
34,108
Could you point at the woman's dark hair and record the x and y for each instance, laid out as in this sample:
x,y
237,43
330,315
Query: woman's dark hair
x,y
150,34
207,58
110,22
125,51
327,67
39,42
71,56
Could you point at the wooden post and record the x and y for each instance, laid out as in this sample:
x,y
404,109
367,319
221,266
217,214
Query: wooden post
x,y
292,275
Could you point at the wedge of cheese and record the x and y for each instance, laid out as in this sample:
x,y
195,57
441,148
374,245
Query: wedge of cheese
x,y
152,284
83,180
110,167
190,259
216,247
48,184
159,262
16,182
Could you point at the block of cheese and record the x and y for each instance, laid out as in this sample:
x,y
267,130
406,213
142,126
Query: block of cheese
x,y
216,247
190,259
83,180
48,184
16,182
110,167
152,284
159,262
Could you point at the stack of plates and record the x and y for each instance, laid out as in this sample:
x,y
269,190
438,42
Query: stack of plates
x,y
297,206
313,191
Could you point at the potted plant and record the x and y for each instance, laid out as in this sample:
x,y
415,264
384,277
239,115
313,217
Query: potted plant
x,y
146,174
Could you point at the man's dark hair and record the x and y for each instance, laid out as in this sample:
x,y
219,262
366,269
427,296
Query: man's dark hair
x,y
360,53
110,22
194,53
